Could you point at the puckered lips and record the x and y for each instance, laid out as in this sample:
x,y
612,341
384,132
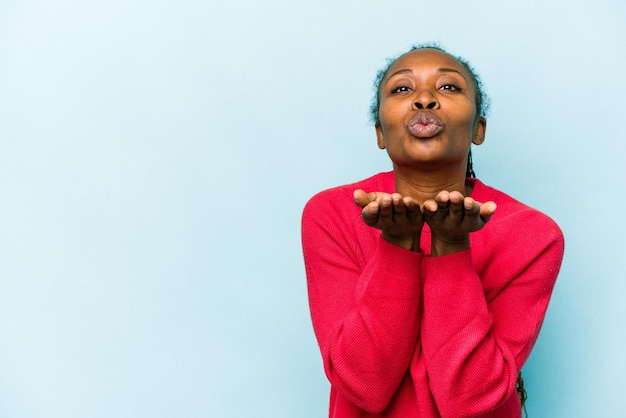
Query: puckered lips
x,y
425,125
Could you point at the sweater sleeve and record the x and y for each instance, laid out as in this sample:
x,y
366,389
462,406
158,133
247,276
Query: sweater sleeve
x,y
365,312
475,339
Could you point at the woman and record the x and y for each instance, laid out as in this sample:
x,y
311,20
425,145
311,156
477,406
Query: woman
x,y
425,299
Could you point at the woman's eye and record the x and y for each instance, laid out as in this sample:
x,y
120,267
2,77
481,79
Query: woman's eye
x,y
400,89
449,87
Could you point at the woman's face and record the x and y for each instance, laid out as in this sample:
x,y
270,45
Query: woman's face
x,y
428,114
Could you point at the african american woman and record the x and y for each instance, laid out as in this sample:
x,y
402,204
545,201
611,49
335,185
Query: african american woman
x,y
427,288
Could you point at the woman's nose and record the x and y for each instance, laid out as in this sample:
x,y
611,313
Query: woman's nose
x,y
425,100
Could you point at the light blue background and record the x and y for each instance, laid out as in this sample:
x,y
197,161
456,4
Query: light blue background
x,y
155,157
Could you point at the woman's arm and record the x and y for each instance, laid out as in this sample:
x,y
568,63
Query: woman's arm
x,y
364,295
476,343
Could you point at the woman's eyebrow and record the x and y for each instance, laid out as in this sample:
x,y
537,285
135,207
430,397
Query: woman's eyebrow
x,y
404,71
439,70
451,70
390,76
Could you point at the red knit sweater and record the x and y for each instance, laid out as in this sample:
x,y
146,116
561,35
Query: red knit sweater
x,y
403,334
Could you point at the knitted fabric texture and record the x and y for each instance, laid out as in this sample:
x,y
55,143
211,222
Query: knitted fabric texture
x,y
404,334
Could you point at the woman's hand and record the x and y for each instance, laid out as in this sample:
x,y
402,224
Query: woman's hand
x,y
452,217
399,218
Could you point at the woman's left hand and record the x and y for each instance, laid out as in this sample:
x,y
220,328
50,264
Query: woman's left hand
x,y
451,217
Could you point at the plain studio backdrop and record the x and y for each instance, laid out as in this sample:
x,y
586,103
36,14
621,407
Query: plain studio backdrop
x,y
155,157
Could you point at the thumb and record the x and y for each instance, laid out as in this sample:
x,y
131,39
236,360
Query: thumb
x,y
486,210
362,199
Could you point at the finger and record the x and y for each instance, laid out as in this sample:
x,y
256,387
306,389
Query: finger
x,y
410,204
456,206
386,206
413,209
398,204
487,209
430,206
362,198
443,200
370,213
471,206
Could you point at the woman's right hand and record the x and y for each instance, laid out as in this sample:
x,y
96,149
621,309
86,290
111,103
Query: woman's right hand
x,y
398,217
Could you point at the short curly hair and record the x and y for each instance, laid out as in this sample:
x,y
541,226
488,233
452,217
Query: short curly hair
x,y
482,99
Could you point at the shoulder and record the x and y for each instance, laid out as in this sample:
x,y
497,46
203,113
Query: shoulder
x,y
518,241
509,207
333,215
517,222
340,198
331,219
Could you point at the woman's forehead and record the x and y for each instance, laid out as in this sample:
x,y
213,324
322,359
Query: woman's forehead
x,y
427,57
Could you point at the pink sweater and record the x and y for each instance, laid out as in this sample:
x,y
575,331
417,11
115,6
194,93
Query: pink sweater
x,y
403,334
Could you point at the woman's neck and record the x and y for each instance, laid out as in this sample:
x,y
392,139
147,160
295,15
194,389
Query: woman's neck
x,y
424,185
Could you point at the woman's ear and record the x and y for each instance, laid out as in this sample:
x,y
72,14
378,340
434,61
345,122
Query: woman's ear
x,y
380,136
479,131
